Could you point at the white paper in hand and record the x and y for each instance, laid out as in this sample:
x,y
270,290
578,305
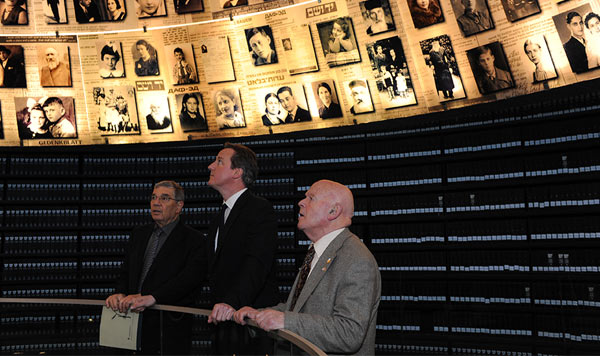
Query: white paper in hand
x,y
120,330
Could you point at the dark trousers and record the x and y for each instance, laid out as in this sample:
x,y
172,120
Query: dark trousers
x,y
231,338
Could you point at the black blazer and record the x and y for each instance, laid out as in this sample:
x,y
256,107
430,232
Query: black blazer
x,y
175,275
301,115
242,270
576,55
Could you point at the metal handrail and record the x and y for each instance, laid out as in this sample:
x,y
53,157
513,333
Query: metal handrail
x,y
292,337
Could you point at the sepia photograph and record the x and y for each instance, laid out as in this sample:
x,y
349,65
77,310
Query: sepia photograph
x,y
110,59
298,52
150,8
116,111
272,111
54,64
378,15
261,45
215,59
187,6
358,94
190,108
520,9
490,68
326,98
13,12
390,70
180,58
228,108
472,16
233,3
55,11
154,106
580,35
89,11
146,59
441,61
13,62
425,13
338,42
283,105
47,117
541,66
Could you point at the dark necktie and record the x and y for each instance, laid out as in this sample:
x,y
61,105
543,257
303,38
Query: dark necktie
x,y
304,271
221,226
151,252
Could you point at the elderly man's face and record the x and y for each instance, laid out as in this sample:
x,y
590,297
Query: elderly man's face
x,y
576,26
52,58
534,52
164,213
261,45
486,61
469,5
314,210
359,94
287,100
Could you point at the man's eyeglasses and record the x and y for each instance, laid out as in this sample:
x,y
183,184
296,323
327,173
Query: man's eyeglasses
x,y
163,198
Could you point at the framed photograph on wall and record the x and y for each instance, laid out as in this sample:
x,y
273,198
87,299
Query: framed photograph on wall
x,y
537,52
228,107
14,66
116,111
153,104
190,109
472,16
581,45
425,13
441,61
55,11
357,93
520,9
338,42
490,68
55,65
110,59
378,15
182,63
261,45
187,6
146,58
326,98
46,117
14,13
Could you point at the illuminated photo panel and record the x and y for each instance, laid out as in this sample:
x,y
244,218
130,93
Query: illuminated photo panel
x,y
490,68
425,13
472,16
378,15
182,64
146,58
357,93
441,62
46,117
228,108
13,62
338,42
261,45
110,59
326,99
541,66
116,110
190,108
54,65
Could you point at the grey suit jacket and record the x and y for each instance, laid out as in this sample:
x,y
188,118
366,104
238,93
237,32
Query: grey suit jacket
x,y
337,308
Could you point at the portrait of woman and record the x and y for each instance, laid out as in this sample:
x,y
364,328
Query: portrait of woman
x,y
13,12
425,12
328,108
228,110
147,60
273,113
190,117
116,12
38,123
340,39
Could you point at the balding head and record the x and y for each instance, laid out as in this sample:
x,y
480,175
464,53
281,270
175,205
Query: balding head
x,y
328,206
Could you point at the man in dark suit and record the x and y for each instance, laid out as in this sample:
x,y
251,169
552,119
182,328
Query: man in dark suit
x,y
12,69
86,11
242,255
575,46
164,265
288,101
335,297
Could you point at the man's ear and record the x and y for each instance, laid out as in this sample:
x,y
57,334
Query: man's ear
x,y
238,173
334,212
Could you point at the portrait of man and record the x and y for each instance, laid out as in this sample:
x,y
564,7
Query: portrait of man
x,y
490,68
537,52
12,67
117,114
61,122
156,118
570,28
287,44
146,59
290,103
261,45
150,8
338,41
111,61
472,16
47,117
187,6
56,71
183,64
86,11
378,15
327,99
358,94
439,57
519,9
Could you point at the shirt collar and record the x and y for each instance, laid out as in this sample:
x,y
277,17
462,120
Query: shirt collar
x,y
167,229
322,244
232,199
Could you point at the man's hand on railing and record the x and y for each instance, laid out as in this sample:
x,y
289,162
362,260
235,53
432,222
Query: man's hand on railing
x,y
245,312
267,319
141,302
221,312
113,301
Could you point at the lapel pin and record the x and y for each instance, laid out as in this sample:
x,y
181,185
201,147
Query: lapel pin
x,y
329,260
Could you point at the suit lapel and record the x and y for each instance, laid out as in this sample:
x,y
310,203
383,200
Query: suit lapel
x,y
165,249
321,268
233,215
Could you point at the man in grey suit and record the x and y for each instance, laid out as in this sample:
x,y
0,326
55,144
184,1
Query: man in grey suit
x,y
335,305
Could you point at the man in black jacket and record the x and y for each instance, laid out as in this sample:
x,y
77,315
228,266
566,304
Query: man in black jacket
x,y
242,256
163,265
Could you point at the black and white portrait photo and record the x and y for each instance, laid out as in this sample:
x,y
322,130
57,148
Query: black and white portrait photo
x,y
519,9
425,13
154,106
187,6
55,65
12,60
190,109
390,70
578,43
46,117
541,65
150,8
261,45
13,12
146,59
110,56
378,15
116,110
357,93
326,98
472,16
338,41
490,68
269,106
228,107
180,58
88,11
55,11
441,61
